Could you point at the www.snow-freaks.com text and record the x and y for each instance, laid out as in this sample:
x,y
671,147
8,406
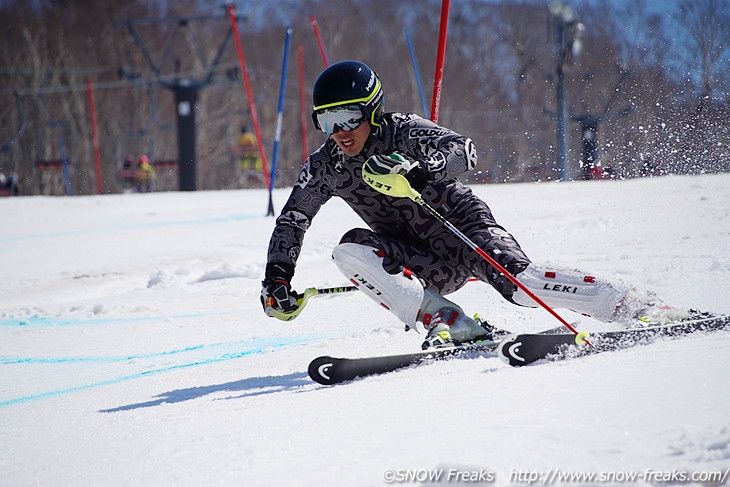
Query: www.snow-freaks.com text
x,y
552,476
558,476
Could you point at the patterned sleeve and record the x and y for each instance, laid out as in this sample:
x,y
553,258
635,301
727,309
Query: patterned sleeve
x,y
445,153
310,192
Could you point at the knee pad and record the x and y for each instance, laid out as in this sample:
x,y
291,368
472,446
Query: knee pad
x,y
572,290
400,293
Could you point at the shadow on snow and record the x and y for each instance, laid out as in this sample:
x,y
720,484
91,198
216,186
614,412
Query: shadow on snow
x,y
254,386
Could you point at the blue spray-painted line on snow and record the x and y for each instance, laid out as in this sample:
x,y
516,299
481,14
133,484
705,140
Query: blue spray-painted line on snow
x,y
46,321
261,347
138,226
9,360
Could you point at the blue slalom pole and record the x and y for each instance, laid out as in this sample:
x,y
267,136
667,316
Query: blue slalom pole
x,y
417,71
279,116
66,175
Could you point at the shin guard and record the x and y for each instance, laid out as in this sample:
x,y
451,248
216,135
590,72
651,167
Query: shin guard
x,y
400,293
571,290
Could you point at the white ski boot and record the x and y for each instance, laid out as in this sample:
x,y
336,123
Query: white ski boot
x,y
447,325
644,309
661,315
404,295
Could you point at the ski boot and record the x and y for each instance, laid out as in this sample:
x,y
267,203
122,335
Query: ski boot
x,y
661,314
406,296
646,309
449,327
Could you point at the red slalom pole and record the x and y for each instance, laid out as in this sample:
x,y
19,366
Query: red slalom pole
x,y
304,113
440,56
318,35
251,104
95,138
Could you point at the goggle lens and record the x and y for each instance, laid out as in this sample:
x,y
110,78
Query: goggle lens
x,y
341,118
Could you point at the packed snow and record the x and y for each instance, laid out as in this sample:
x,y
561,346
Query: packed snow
x,y
134,351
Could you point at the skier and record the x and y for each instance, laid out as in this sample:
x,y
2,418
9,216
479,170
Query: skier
x,y
405,260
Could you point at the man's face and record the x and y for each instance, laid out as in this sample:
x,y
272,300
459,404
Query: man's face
x,y
352,142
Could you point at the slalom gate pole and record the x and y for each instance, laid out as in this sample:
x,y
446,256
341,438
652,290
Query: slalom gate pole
x,y
95,138
251,104
308,293
304,114
279,116
417,72
320,44
440,56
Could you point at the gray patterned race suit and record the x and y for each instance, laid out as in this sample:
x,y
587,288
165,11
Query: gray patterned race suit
x,y
399,227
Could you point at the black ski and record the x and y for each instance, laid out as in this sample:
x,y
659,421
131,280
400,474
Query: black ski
x,y
518,350
514,349
330,370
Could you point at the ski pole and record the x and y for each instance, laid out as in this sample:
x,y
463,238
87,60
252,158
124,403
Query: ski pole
x,y
398,186
304,297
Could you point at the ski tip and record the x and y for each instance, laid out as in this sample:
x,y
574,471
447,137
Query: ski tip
x,y
319,370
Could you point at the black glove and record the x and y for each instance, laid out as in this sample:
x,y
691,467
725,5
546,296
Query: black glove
x,y
396,163
276,292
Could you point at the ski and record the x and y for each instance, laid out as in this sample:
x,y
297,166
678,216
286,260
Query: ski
x,y
515,349
522,349
331,370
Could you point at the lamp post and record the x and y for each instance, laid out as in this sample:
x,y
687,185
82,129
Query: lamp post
x,y
565,31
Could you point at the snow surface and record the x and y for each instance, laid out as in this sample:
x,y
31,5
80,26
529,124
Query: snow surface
x,y
133,348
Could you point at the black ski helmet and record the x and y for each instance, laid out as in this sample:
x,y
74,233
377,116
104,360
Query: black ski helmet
x,y
349,83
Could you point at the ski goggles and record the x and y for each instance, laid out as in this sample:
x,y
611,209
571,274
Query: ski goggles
x,y
346,118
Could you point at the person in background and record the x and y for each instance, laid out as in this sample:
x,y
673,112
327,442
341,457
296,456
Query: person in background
x,y
251,165
144,175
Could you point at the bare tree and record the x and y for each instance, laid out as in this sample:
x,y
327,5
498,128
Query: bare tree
x,y
707,25
498,82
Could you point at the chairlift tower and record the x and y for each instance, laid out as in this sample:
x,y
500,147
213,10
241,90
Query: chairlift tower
x,y
184,86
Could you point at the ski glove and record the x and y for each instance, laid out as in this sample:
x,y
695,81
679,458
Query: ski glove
x,y
276,292
395,163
